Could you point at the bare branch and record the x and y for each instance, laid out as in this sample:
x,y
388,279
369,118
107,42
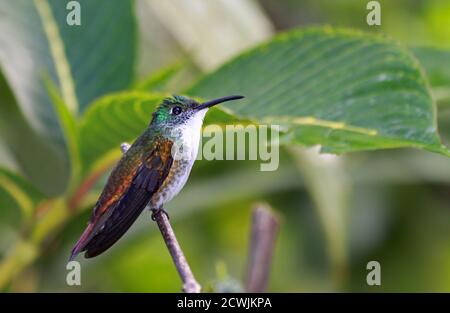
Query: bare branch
x,y
264,231
190,284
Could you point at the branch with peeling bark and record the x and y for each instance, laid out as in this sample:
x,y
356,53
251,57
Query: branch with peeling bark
x,y
190,284
263,235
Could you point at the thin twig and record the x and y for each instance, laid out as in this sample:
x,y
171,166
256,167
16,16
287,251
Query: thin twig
x,y
190,284
265,227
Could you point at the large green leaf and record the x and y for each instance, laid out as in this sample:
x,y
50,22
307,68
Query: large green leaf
x,y
17,198
436,63
160,80
85,61
101,52
69,127
344,90
40,161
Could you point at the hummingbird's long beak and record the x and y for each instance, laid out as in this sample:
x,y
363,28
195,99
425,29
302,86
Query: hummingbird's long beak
x,y
211,103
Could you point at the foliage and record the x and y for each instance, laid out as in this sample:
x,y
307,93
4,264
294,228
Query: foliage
x,y
63,122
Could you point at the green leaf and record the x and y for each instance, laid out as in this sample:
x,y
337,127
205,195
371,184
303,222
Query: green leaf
x,y
40,161
158,82
85,62
16,192
341,89
170,79
436,63
70,130
112,120
101,52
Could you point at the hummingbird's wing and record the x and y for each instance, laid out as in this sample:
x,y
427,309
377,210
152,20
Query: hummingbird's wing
x,y
108,223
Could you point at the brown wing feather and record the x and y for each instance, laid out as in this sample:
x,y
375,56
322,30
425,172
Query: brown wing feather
x,y
109,223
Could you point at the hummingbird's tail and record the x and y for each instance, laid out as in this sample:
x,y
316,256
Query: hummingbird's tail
x,y
104,232
124,215
81,243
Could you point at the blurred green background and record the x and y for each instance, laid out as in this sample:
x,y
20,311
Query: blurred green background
x,y
392,206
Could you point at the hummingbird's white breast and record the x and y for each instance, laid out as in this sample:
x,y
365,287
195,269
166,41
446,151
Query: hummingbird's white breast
x,y
184,153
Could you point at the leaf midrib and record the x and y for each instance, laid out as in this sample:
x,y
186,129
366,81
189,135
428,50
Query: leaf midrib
x,y
58,53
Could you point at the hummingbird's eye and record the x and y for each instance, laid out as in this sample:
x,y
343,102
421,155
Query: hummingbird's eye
x,y
176,110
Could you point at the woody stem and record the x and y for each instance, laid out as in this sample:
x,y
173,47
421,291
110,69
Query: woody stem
x,y
190,284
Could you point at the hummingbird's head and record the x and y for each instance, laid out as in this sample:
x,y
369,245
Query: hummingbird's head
x,y
180,110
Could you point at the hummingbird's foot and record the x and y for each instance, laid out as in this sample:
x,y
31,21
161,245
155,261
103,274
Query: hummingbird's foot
x,y
156,211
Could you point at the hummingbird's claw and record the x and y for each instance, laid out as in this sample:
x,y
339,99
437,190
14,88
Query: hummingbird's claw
x,y
156,211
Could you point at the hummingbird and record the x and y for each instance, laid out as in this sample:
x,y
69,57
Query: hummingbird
x,y
151,172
